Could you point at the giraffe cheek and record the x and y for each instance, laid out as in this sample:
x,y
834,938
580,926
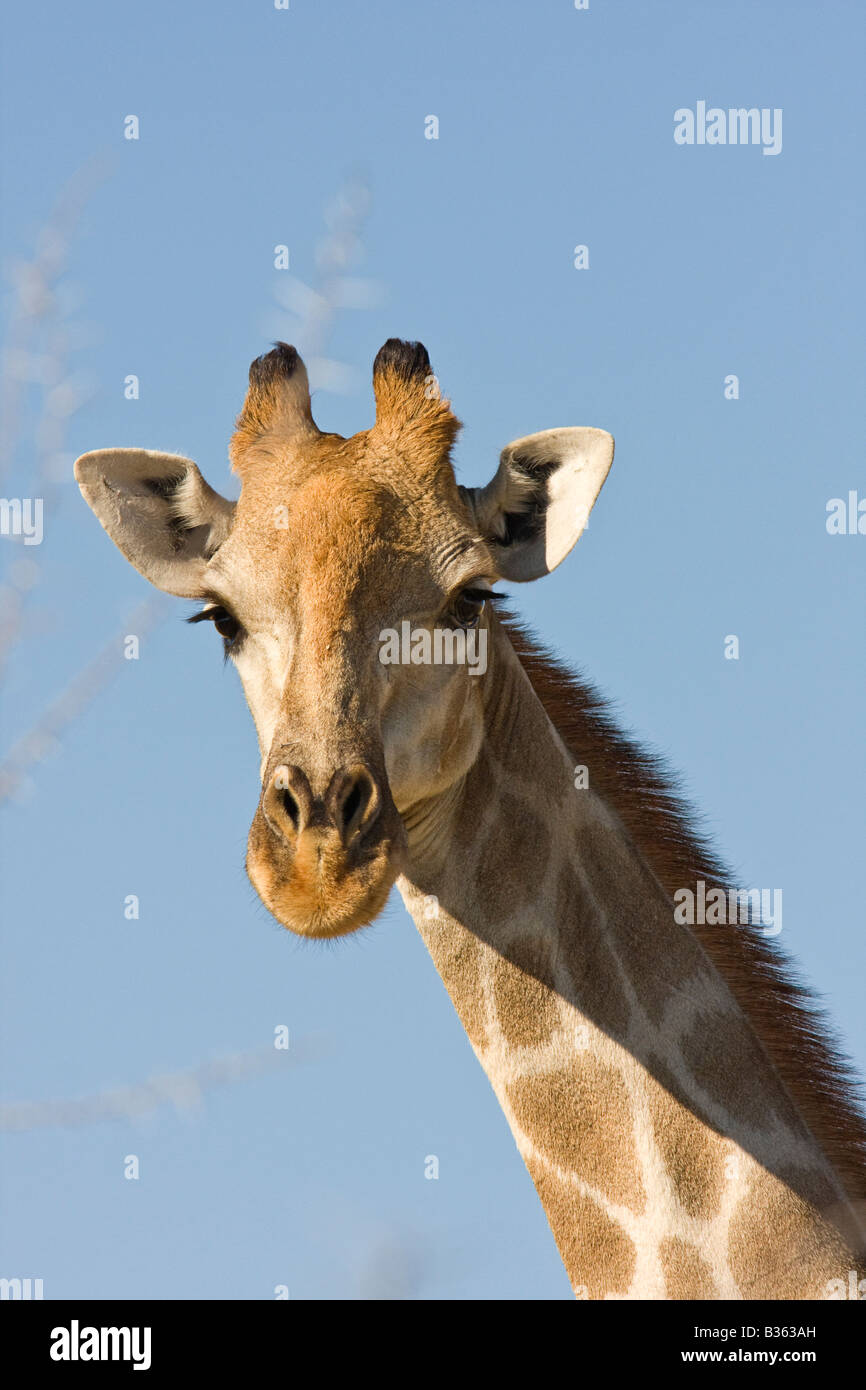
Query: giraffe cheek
x,y
424,765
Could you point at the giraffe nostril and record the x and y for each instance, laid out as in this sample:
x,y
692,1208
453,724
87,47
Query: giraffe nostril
x,y
291,808
287,802
354,802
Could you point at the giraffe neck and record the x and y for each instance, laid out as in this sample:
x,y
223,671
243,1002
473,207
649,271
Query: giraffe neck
x,y
668,1155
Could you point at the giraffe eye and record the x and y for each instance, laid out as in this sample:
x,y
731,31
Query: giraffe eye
x,y
468,607
226,625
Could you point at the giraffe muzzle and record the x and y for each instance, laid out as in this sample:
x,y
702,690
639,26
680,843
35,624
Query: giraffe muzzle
x,y
324,864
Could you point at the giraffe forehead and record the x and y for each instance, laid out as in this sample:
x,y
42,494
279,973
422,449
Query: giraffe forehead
x,y
343,542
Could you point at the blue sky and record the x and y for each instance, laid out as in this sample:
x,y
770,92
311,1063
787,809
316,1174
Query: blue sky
x,y
555,129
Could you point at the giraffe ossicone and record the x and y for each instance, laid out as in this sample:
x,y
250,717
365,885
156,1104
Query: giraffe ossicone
x,y
689,1129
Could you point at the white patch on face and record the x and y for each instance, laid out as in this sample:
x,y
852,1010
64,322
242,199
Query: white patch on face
x,y
263,667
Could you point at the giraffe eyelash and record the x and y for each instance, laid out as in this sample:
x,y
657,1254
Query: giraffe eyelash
x,y
482,595
217,613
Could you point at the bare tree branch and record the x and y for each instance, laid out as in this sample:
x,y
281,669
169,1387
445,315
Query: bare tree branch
x,y
183,1090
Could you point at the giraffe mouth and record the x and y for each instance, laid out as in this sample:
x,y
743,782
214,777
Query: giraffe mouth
x,y
318,885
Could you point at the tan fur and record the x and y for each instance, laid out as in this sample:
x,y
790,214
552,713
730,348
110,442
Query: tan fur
x,y
643,1092
780,1010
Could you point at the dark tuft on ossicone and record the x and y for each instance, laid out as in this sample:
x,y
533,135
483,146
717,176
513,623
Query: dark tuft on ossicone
x,y
281,361
408,360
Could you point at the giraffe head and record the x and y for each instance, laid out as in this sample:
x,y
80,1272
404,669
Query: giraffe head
x,y
332,547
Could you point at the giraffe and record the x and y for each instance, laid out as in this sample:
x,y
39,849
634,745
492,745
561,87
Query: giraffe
x,y
691,1131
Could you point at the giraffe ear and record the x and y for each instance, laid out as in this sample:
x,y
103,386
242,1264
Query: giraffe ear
x,y
159,511
539,500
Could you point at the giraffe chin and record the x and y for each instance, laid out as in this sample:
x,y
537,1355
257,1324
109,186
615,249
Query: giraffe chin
x,y
316,888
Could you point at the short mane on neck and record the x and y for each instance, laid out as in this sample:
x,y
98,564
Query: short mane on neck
x,y
782,1011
